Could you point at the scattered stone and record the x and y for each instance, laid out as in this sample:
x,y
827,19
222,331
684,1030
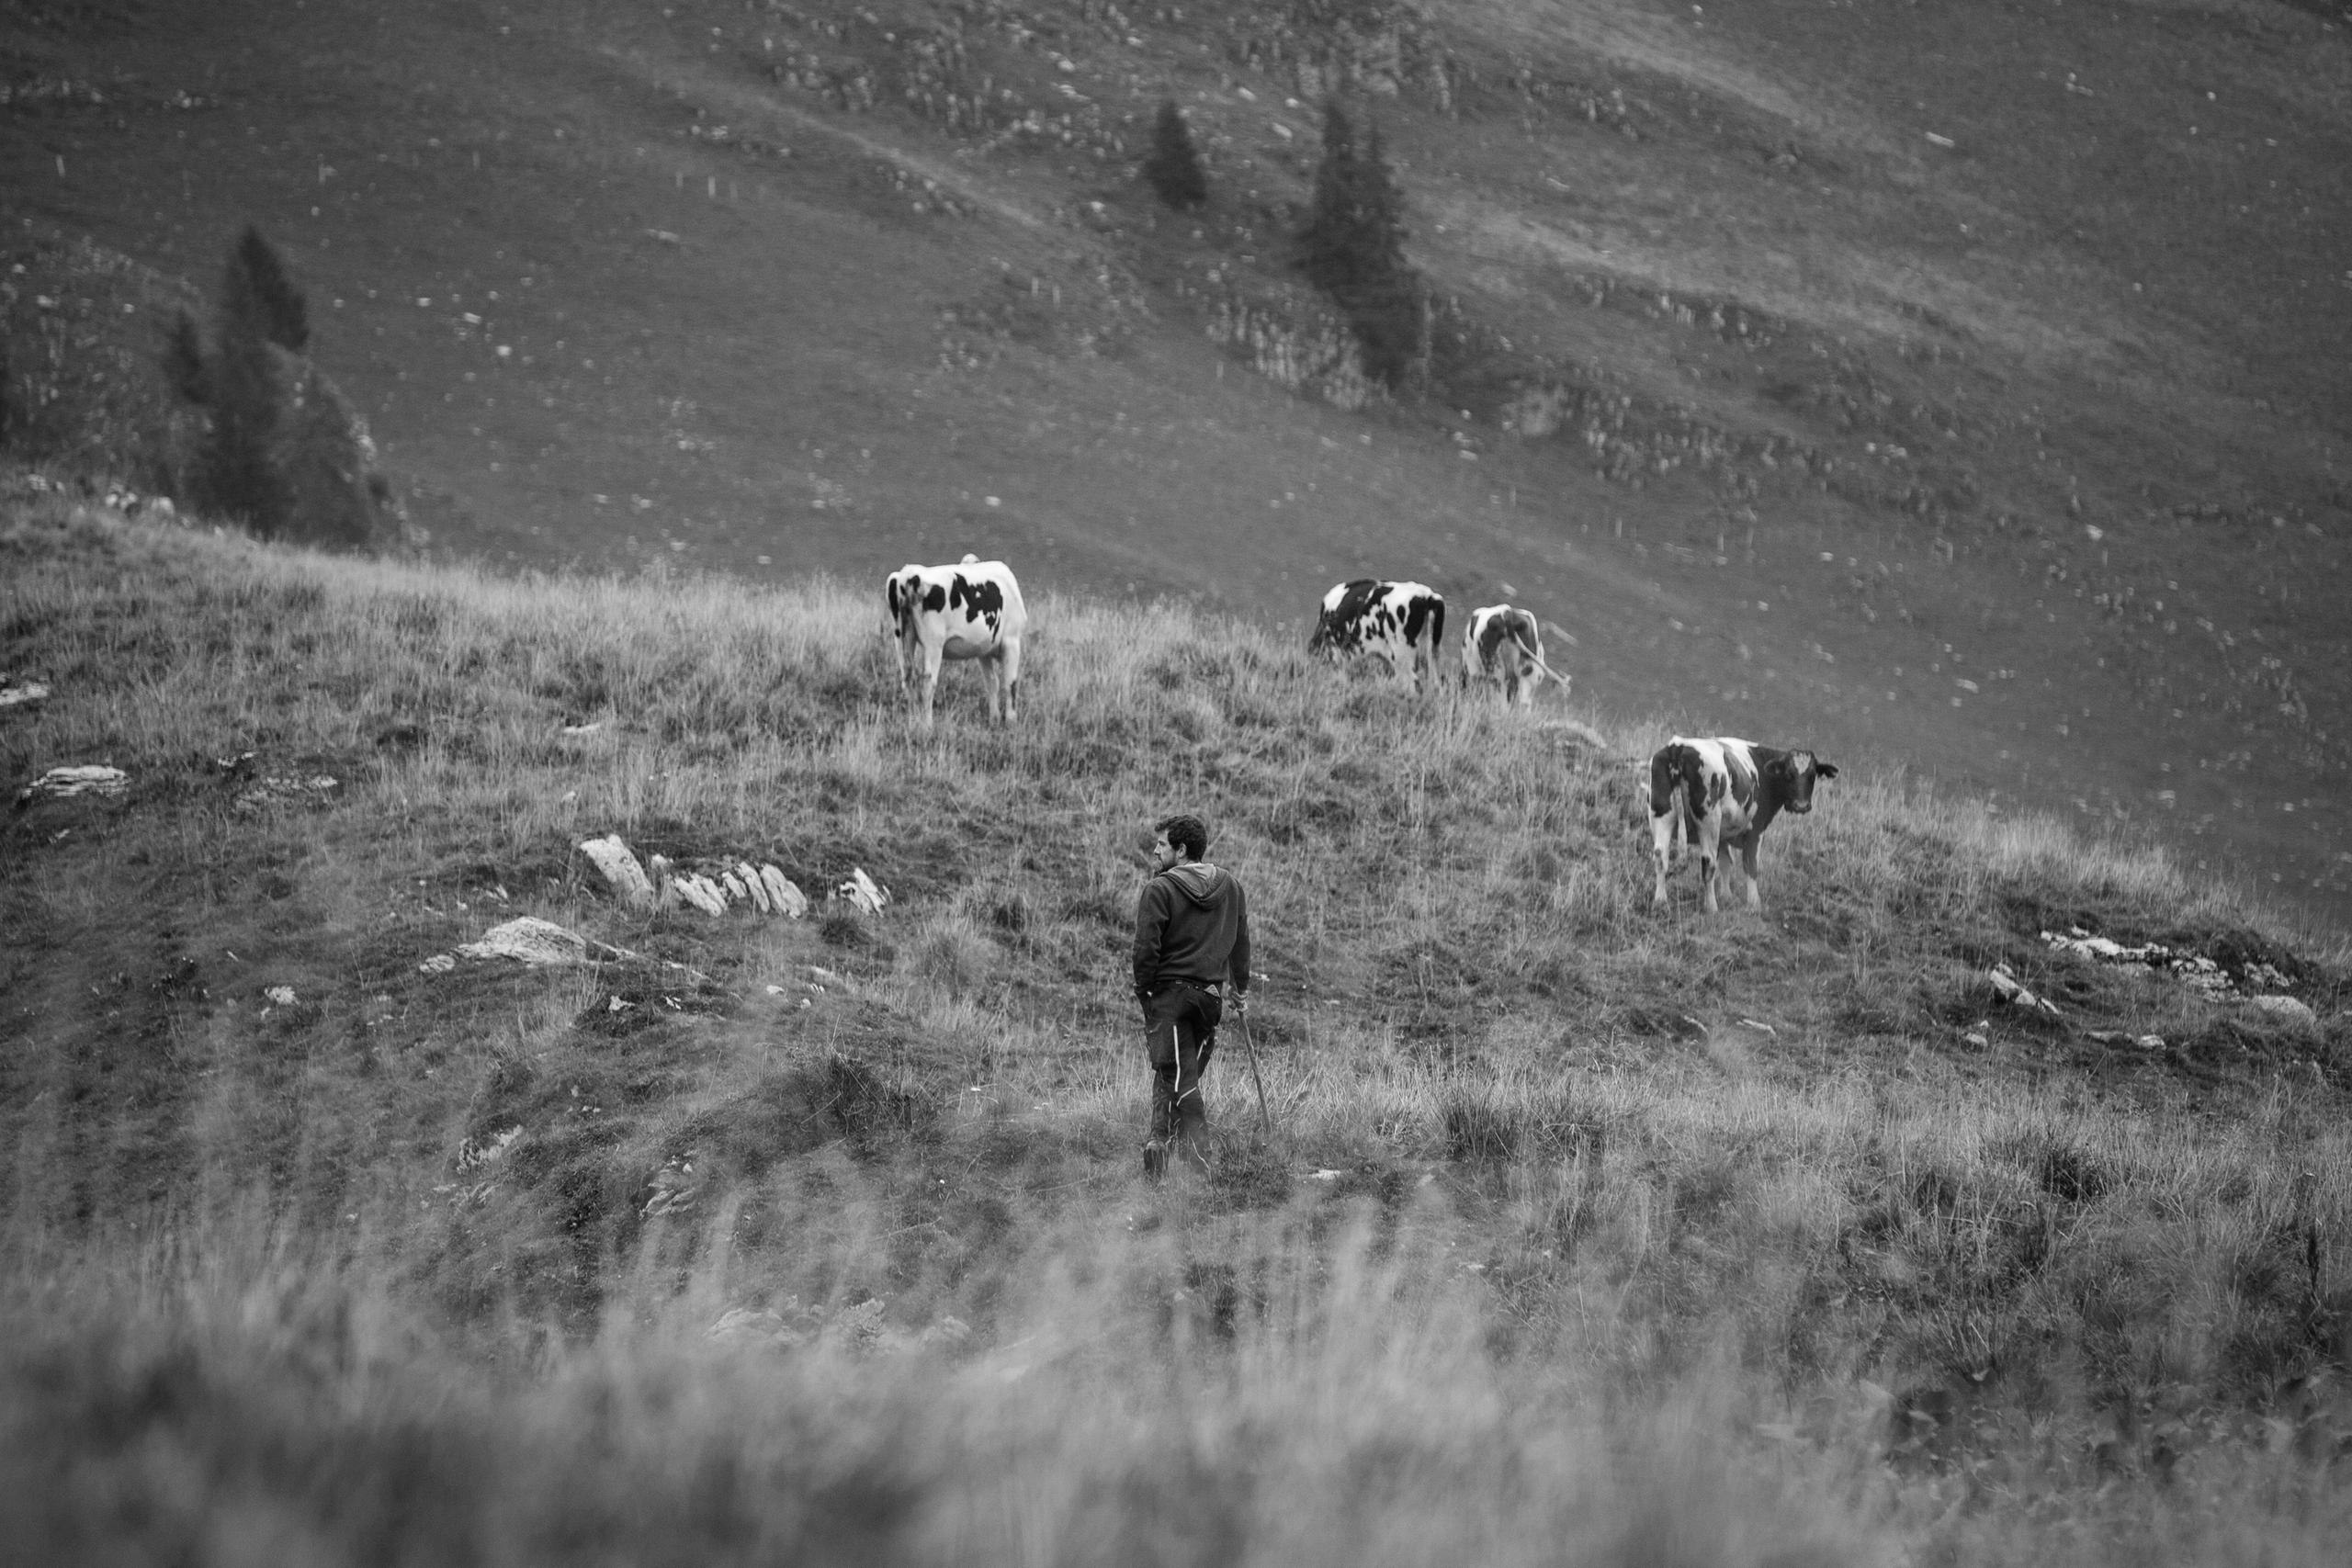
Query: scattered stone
x,y
439,963
267,792
59,783
2193,969
280,995
675,1188
2006,987
535,942
21,693
725,883
787,899
864,892
611,856
2125,1037
475,1152
743,1326
946,1331
2286,1009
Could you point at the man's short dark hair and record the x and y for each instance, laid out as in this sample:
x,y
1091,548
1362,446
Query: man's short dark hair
x,y
1187,834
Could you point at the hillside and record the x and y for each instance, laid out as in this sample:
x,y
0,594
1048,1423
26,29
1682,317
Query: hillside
x,y
1961,388
1584,1229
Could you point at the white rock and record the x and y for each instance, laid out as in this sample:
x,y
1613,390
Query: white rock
x,y
280,995
743,1324
439,963
23,691
733,885
751,883
611,856
529,939
2286,1009
59,782
863,891
702,893
782,893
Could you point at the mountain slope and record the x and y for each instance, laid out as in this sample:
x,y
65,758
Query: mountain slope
x,y
1799,419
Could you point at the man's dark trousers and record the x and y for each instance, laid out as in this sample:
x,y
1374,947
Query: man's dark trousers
x,y
1180,1032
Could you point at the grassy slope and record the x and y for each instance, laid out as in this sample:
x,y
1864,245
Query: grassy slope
x,y
1643,1234
2080,306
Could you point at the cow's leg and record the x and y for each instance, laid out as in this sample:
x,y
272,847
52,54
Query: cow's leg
x,y
1665,828
1748,863
909,652
1711,826
930,661
1009,666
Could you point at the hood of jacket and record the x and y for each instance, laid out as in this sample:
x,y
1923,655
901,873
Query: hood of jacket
x,y
1199,881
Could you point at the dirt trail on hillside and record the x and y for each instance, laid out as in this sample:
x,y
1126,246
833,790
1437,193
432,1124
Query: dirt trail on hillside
x,y
707,87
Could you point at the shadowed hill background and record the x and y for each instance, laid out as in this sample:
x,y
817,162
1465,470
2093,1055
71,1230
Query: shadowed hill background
x,y
1958,386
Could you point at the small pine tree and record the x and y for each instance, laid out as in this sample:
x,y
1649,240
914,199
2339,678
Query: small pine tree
x,y
244,393
1173,165
184,360
1328,246
1386,311
284,314
1354,248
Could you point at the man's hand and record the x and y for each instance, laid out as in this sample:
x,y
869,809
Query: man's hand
x,y
1239,1003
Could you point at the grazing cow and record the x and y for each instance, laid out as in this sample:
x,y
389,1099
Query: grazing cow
x,y
1504,646
1401,622
971,610
1730,791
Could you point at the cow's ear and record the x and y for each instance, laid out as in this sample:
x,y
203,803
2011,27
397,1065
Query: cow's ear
x,y
1825,770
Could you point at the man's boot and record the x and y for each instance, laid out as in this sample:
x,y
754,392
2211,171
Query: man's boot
x,y
1155,1159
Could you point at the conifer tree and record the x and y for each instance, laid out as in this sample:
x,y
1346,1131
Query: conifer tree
x,y
1352,247
1387,307
1173,165
284,314
183,360
240,478
1327,247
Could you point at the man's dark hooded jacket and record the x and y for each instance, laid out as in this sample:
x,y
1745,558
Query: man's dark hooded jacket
x,y
1192,924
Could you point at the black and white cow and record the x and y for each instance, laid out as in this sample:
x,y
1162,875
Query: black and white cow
x,y
1403,623
1725,792
971,610
1505,646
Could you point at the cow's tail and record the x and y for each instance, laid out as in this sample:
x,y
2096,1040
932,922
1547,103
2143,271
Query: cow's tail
x,y
1436,639
1667,782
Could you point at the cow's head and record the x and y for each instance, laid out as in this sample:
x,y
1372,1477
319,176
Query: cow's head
x,y
1325,638
1791,775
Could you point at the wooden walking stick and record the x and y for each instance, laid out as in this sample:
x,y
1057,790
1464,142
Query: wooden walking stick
x,y
1241,1017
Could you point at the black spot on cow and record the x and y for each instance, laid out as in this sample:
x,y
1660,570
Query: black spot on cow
x,y
934,597
1425,611
978,601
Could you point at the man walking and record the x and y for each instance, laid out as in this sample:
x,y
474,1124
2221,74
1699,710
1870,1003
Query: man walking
x,y
1191,935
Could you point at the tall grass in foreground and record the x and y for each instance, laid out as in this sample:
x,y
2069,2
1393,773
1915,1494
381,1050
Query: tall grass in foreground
x,y
1587,1232
229,1395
